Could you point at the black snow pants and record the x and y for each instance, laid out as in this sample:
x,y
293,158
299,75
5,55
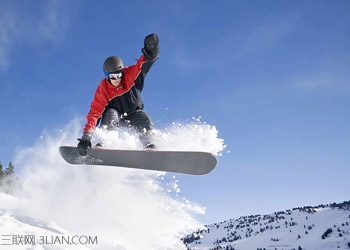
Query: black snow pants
x,y
137,120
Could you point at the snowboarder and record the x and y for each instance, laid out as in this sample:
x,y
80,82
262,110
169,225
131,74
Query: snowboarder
x,y
117,100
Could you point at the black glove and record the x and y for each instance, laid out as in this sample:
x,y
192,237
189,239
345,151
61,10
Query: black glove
x,y
84,144
151,47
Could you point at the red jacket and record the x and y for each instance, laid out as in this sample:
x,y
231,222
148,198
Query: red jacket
x,y
124,98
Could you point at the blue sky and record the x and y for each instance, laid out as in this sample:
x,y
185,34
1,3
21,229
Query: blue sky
x,y
272,76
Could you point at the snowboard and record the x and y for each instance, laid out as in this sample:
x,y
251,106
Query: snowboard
x,y
184,162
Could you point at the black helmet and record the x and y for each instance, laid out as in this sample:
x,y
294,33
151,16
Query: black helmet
x,y
113,64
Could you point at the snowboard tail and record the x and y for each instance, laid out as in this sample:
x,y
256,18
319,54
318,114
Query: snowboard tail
x,y
185,162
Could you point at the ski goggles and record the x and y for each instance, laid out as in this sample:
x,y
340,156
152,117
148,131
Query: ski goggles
x,y
114,75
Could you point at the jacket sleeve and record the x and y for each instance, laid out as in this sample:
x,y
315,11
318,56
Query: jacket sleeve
x,y
97,107
137,73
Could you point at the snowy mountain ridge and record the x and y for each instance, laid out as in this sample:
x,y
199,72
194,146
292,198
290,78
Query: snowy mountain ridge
x,y
322,227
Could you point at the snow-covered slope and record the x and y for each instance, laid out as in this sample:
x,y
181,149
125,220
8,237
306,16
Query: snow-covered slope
x,y
23,232
323,227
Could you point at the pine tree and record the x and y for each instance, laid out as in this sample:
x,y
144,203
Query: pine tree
x,y
10,170
8,181
1,172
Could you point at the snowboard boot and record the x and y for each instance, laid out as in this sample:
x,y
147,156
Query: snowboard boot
x,y
150,147
98,146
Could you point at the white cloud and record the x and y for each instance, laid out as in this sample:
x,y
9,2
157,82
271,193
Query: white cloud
x,y
47,21
54,22
332,83
269,33
7,28
331,75
183,61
